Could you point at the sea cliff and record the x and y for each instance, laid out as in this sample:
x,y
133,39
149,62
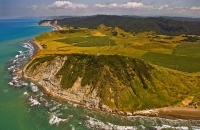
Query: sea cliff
x,y
46,71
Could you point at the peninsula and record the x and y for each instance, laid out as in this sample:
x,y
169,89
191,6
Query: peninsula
x,y
118,69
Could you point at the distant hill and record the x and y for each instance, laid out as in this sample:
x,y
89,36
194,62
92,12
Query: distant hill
x,y
160,25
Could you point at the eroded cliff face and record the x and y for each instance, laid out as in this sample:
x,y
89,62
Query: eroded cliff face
x,y
45,74
94,81
48,23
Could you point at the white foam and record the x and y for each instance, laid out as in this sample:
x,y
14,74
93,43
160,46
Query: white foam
x,y
20,52
195,128
34,88
14,61
16,56
33,102
15,78
25,93
11,67
55,120
176,128
53,108
97,124
10,83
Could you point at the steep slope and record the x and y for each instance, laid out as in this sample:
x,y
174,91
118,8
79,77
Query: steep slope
x,y
113,83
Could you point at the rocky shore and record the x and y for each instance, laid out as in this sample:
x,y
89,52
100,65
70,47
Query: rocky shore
x,y
45,75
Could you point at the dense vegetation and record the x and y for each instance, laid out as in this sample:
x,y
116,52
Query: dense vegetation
x,y
40,60
126,83
91,67
135,24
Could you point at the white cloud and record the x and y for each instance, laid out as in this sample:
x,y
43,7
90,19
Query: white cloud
x,y
129,5
66,5
114,5
132,5
163,7
100,6
195,8
36,7
60,5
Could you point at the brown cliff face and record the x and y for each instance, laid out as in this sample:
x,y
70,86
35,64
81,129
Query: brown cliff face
x,y
45,74
48,23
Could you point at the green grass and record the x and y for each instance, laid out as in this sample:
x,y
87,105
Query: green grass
x,y
89,66
188,49
181,63
91,41
38,61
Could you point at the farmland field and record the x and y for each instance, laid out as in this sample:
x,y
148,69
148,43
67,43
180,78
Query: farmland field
x,y
90,41
167,51
181,63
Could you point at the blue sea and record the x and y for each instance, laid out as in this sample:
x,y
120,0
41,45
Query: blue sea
x,y
22,109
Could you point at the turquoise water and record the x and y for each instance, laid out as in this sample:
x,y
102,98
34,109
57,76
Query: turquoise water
x,y
21,109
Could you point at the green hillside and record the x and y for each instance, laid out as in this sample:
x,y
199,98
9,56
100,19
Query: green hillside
x,y
130,63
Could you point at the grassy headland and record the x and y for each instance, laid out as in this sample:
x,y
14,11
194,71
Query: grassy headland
x,y
123,65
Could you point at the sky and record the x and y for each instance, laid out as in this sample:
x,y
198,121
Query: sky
x,y
37,8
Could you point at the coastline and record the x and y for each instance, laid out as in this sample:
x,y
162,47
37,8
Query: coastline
x,y
166,112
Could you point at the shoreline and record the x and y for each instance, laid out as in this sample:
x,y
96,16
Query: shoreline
x,y
166,112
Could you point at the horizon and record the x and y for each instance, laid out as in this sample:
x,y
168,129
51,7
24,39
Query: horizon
x,y
64,16
142,8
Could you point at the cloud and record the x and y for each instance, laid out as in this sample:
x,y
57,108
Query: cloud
x,y
132,5
36,7
128,5
194,8
139,7
163,7
66,5
101,6
60,5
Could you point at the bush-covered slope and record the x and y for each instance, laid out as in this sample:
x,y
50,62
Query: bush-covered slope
x,y
134,25
125,83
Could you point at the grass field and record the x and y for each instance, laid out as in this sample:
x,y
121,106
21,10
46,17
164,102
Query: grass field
x,y
181,63
171,52
91,41
188,49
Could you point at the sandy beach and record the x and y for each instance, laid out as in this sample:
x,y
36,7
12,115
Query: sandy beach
x,y
36,46
180,113
166,112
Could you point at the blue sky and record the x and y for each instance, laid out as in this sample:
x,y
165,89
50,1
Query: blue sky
x,y
23,8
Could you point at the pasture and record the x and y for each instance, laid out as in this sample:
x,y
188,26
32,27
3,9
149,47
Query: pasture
x,y
90,41
168,51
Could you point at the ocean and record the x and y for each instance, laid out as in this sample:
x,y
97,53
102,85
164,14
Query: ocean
x,y
23,109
